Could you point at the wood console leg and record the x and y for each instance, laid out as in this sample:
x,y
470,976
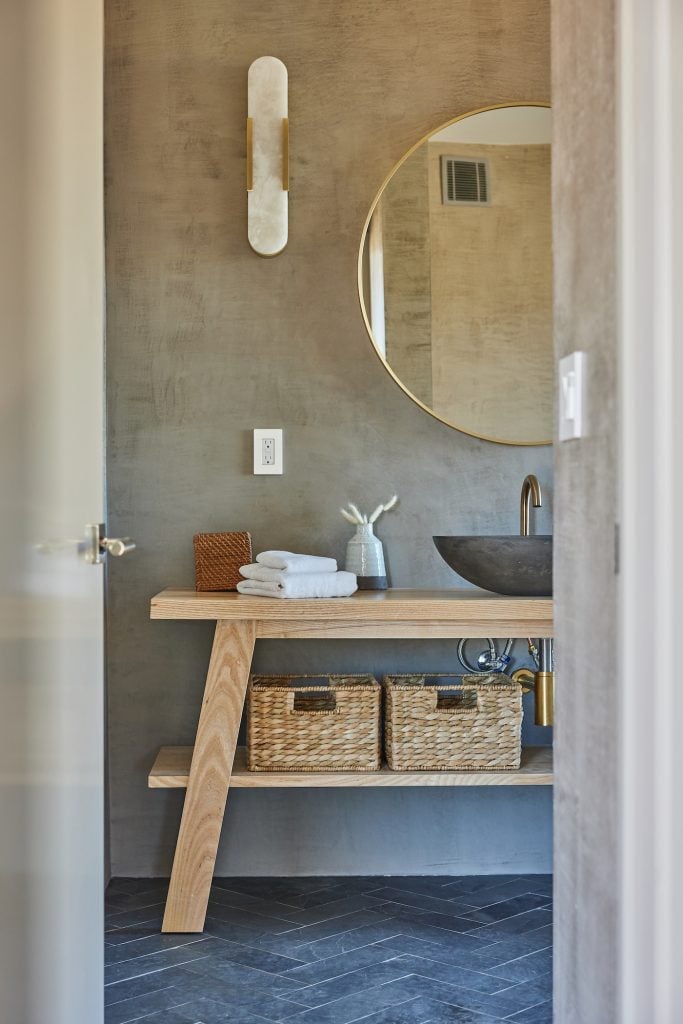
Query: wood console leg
x,y
209,779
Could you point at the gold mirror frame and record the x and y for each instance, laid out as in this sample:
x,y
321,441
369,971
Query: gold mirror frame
x,y
364,313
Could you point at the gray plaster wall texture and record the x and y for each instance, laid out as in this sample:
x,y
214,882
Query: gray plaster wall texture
x,y
586,753
205,341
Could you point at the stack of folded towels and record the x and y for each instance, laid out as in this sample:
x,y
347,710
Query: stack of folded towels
x,y
285,574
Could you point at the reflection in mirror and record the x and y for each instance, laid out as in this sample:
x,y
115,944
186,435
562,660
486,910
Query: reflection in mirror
x,y
455,274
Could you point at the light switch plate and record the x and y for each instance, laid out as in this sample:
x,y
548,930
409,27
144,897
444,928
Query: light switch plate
x,y
572,403
268,451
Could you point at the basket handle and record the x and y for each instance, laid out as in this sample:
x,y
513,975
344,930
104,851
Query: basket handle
x,y
303,703
456,700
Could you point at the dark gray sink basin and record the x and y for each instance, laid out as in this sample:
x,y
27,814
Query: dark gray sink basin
x,y
518,566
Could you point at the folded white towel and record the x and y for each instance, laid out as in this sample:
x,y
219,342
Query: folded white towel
x,y
303,584
290,562
256,571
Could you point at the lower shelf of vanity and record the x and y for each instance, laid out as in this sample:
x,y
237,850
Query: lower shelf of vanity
x,y
172,766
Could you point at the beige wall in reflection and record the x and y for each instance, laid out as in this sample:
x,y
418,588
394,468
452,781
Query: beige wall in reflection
x,y
469,291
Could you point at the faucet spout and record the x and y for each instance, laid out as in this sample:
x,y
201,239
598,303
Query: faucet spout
x,y
531,494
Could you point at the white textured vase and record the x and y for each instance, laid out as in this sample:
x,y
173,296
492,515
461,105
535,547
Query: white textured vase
x,y
365,557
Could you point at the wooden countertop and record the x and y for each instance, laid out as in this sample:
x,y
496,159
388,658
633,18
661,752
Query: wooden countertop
x,y
390,613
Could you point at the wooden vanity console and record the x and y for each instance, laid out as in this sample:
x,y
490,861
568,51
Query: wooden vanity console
x,y
208,769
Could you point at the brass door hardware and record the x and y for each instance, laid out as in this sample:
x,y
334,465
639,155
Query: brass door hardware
x,y
285,154
250,154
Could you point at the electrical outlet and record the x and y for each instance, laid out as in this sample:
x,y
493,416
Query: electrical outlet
x,y
268,450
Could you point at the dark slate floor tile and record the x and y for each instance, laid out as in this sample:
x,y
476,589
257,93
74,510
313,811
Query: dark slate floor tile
x,y
441,1013
243,901
496,1005
396,909
534,991
131,1009
499,953
357,1006
259,923
545,932
421,901
487,896
473,961
506,908
420,928
285,945
260,959
452,973
237,974
280,889
527,967
318,897
120,936
346,984
541,1014
330,950
343,963
421,885
542,888
411,881
413,1011
263,1004
140,986
158,961
451,924
142,915
118,901
344,942
154,943
335,908
531,921
203,1011
334,926
476,883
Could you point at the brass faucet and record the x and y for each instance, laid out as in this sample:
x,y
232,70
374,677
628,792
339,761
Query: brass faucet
x,y
544,678
531,492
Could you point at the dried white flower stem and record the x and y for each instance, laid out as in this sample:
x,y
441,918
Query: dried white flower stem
x,y
356,517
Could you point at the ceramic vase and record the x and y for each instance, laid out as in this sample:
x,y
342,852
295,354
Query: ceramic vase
x,y
365,557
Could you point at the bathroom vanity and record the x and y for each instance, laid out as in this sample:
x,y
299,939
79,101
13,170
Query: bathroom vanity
x,y
214,764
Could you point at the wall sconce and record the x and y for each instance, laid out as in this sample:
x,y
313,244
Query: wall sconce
x,y
267,156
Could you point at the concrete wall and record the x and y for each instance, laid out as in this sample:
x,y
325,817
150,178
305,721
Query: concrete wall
x,y
586,791
206,341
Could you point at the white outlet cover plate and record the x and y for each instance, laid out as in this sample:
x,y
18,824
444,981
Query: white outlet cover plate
x,y
262,434
572,399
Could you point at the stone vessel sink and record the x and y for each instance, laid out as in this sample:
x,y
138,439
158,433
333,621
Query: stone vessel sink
x,y
515,566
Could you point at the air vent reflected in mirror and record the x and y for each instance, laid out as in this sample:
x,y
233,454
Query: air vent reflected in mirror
x,y
464,182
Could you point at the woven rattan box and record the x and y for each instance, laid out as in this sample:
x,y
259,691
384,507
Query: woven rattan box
x,y
314,723
218,557
452,723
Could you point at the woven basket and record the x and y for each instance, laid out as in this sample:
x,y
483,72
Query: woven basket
x,y
314,723
452,723
217,559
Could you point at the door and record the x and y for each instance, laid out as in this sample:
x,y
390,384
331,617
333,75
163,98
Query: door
x,y
51,485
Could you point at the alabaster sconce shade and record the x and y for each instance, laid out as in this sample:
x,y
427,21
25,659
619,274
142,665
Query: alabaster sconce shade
x,y
267,156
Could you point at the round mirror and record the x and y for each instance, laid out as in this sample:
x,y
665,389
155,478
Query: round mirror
x,y
455,274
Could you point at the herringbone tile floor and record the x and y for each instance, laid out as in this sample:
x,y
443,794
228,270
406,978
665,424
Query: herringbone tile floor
x,y
408,950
